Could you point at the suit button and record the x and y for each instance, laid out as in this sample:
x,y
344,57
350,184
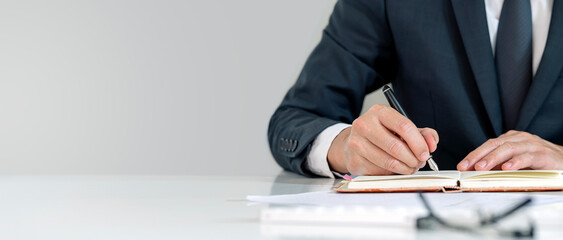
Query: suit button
x,y
284,146
293,145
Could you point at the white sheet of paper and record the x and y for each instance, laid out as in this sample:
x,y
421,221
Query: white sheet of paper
x,y
438,201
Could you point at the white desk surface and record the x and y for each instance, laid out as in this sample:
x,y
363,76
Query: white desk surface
x,y
142,207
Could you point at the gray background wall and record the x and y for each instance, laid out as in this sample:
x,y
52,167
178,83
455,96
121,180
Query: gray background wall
x,y
148,87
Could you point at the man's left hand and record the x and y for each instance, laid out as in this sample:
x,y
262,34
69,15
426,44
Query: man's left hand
x,y
512,151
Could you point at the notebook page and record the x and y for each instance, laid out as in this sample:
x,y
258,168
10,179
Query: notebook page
x,y
523,180
422,179
506,175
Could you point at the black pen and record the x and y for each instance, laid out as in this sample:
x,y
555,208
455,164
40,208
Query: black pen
x,y
388,92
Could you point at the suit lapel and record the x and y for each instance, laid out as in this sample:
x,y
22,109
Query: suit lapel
x,y
472,23
548,70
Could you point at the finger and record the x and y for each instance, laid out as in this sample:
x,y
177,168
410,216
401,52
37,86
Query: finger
x,y
469,162
406,129
360,166
519,162
394,146
388,162
431,138
501,154
421,165
431,132
371,169
529,160
373,153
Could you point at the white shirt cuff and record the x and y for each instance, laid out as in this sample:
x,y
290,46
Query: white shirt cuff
x,y
317,161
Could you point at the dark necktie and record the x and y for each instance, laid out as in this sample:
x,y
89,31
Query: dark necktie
x,y
513,57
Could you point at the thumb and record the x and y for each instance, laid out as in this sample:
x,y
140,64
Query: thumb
x,y
431,137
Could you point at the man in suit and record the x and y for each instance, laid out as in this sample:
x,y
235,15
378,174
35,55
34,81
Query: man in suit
x,y
482,77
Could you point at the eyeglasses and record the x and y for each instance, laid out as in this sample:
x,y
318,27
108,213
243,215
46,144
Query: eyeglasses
x,y
433,221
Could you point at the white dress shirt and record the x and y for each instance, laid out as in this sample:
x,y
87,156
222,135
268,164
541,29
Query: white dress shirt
x,y
541,16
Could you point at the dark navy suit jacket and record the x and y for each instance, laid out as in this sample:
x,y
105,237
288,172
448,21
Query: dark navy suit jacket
x,y
438,56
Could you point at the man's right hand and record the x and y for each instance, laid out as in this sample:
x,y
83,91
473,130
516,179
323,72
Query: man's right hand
x,y
373,145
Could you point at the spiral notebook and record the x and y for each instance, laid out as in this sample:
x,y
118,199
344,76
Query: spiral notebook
x,y
456,181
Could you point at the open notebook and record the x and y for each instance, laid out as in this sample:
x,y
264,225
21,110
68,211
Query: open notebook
x,y
470,181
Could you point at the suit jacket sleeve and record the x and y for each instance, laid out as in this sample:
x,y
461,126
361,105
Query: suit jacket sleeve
x,y
353,58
